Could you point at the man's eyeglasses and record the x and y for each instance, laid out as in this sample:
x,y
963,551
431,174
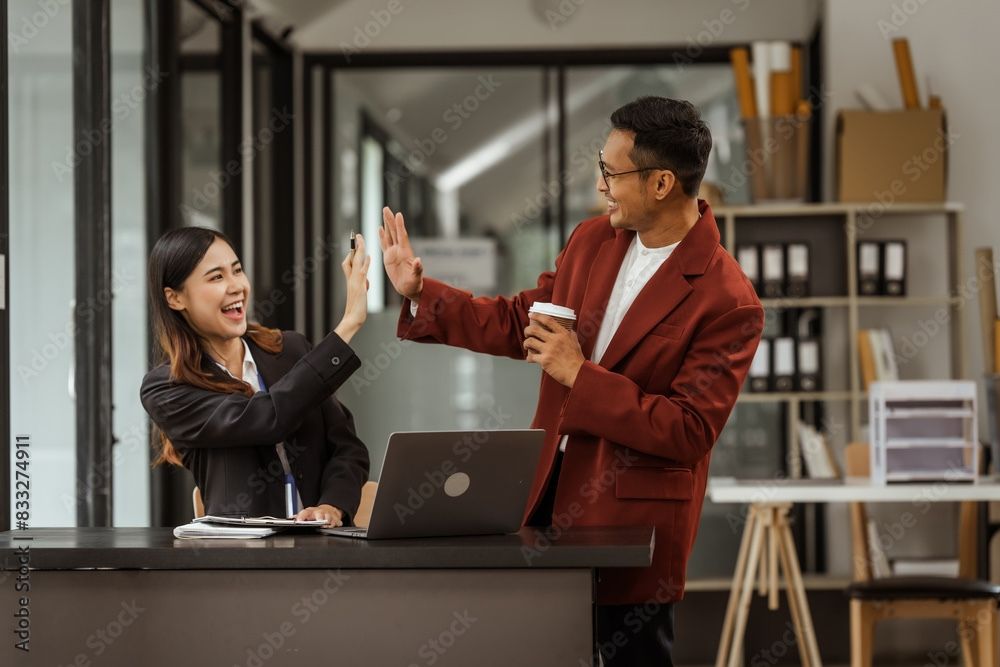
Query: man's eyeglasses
x,y
607,174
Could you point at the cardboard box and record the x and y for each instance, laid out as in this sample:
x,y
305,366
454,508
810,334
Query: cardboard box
x,y
892,156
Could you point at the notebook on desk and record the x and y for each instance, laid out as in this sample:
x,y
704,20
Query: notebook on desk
x,y
240,527
212,531
260,521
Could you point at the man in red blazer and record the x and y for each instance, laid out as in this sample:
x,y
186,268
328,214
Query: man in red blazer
x,y
634,399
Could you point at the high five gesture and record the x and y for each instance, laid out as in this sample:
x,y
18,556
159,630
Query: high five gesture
x,y
404,270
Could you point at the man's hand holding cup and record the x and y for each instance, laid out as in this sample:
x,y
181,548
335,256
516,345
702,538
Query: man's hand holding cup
x,y
551,342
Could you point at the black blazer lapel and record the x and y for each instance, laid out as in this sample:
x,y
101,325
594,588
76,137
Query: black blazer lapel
x,y
272,367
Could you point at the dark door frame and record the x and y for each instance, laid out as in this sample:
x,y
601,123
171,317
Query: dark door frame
x,y
92,218
170,487
275,287
5,451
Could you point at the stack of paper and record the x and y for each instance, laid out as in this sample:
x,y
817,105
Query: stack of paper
x,y
240,528
199,530
259,521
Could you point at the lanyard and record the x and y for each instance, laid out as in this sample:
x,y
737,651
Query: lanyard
x,y
293,501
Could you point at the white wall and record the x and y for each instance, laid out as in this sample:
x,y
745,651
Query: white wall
x,y
954,43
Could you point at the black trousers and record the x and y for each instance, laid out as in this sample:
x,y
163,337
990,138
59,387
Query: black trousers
x,y
633,635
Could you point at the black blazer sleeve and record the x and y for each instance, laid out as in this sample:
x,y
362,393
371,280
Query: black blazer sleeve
x,y
193,417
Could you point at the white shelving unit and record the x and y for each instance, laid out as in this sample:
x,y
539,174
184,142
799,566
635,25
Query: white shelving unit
x,y
923,430
856,221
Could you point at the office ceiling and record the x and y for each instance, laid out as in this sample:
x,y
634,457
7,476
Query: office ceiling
x,y
333,25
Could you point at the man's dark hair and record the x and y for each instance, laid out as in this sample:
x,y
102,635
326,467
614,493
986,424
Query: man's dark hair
x,y
669,134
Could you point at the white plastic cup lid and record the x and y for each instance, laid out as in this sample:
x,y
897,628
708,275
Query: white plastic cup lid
x,y
553,310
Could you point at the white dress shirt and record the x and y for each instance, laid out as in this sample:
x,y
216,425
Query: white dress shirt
x,y
250,374
638,266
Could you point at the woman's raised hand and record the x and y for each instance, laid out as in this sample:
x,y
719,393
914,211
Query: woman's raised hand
x,y
355,268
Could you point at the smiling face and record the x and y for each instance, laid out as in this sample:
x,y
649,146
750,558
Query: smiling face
x,y
213,299
631,195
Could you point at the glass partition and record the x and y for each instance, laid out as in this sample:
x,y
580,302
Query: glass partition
x,y
459,150
42,255
130,85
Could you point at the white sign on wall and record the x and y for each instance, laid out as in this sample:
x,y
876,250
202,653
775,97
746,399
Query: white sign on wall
x,y
469,263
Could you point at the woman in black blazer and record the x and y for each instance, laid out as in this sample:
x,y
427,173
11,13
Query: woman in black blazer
x,y
248,410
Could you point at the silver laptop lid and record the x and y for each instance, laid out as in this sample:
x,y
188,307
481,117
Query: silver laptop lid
x,y
442,483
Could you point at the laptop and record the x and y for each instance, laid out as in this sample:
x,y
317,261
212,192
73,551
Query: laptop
x,y
447,483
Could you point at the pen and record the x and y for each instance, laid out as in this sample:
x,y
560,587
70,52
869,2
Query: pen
x,y
352,240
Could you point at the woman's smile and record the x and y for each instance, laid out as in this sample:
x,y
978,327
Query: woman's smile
x,y
234,310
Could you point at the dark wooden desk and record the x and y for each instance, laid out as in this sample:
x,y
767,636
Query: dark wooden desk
x,y
137,596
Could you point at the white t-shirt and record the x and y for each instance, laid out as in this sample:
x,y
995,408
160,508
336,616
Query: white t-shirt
x,y
638,266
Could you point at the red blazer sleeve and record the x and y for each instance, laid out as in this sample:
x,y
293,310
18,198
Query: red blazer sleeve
x,y
684,424
493,325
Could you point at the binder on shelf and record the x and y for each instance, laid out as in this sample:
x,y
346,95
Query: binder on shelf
x,y
885,354
996,346
877,355
748,257
809,376
894,268
869,268
797,270
760,367
773,260
866,357
816,455
988,320
783,366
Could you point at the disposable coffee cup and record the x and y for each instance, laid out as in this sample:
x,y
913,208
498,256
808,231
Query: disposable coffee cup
x,y
566,317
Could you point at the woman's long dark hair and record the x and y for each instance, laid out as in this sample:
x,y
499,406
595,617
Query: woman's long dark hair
x,y
173,259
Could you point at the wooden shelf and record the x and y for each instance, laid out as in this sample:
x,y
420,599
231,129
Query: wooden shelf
x,y
909,301
845,301
807,302
873,209
781,396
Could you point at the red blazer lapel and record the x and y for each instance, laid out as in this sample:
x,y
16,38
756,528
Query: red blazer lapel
x,y
600,282
666,289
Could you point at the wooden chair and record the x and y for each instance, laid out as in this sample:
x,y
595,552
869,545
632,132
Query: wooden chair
x,y
196,503
970,602
364,513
